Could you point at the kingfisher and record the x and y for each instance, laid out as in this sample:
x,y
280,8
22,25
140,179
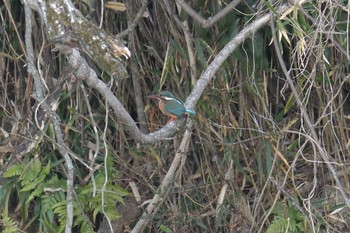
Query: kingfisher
x,y
171,106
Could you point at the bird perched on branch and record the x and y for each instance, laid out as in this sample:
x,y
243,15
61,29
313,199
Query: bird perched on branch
x,y
171,106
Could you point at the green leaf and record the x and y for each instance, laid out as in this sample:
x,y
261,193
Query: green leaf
x,y
32,184
269,158
38,190
15,170
165,229
46,169
31,172
199,52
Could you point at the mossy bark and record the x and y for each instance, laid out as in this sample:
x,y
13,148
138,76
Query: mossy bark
x,y
65,25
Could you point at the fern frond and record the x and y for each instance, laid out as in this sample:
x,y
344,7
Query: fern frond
x,y
9,225
277,225
14,170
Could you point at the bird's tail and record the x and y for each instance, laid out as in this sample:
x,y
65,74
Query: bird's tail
x,y
190,112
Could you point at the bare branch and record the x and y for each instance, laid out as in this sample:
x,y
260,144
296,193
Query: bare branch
x,y
55,120
84,72
207,23
151,209
208,74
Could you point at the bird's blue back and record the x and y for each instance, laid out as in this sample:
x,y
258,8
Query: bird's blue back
x,y
175,107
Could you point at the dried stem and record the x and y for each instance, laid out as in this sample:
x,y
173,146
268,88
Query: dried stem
x,y
135,73
310,125
133,24
151,209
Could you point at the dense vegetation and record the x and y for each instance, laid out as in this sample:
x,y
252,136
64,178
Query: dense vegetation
x,y
267,150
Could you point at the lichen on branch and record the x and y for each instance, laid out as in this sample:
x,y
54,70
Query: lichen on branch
x,y
66,25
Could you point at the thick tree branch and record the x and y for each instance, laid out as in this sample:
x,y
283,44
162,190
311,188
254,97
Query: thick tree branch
x,y
84,72
66,25
62,148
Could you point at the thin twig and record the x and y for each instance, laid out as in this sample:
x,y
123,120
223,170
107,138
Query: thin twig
x,y
104,139
305,115
102,13
207,23
15,28
135,74
97,138
136,20
191,53
189,40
